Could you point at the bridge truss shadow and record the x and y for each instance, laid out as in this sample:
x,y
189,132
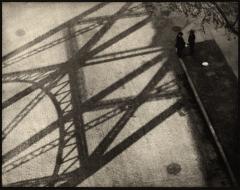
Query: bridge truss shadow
x,y
58,82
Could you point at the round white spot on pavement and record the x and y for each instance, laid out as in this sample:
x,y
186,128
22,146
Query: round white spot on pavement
x,y
20,32
205,64
173,168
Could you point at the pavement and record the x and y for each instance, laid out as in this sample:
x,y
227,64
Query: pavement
x,y
216,86
142,126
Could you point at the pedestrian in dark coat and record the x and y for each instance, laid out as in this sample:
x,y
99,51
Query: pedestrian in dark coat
x,y
191,41
180,44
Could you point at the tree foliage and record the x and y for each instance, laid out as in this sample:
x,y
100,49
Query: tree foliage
x,y
221,14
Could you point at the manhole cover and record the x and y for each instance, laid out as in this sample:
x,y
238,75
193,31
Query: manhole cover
x,y
173,168
176,28
20,32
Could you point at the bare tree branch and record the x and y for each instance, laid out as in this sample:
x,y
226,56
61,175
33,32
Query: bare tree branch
x,y
228,24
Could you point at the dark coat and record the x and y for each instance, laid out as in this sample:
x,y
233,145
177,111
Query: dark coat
x,y
191,39
180,44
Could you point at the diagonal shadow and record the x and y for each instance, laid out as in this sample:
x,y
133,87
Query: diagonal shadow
x,y
116,38
94,165
22,114
140,98
54,143
99,120
27,109
120,57
105,45
33,87
142,131
59,84
78,120
53,126
91,101
118,101
77,111
76,88
85,48
122,52
102,19
17,150
38,151
98,21
128,14
54,31
77,176
89,125
107,141
91,61
85,106
121,104
29,142
32,71
27,91
89,55
103,30
48,45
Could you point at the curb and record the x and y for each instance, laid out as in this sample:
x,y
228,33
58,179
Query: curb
x,y
209,124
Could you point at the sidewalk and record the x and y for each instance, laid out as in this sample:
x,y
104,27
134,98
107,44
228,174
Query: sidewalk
x,y
216,86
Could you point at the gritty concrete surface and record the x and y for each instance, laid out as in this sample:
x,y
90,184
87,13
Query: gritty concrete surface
x,y
217,88
141,140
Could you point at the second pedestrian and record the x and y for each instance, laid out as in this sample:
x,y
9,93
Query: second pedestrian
x,y
180,44
191,41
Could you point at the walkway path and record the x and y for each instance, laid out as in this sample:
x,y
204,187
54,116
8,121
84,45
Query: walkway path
x,y
216,86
